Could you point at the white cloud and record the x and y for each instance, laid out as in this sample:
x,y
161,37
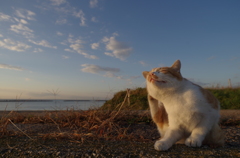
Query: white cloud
x,y
80,15
23,21
115,34
22,29
109,54
95,45
37,50
105,39
88,56
65,57
13,45
19,28
112,75
78,41
103,71
119,49
76,45
9,41
64,10
59,33
1,35
95,69
93,3
4,17
10,67
43,43
25,14
58,2
68,50
61,21
70,36
94,19
143,63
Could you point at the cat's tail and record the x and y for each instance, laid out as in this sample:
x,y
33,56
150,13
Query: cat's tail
x,y
216,137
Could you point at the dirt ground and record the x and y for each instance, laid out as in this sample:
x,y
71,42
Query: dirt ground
x,y
52,140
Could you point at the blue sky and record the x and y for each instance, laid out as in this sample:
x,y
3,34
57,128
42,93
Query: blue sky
x,y
89,49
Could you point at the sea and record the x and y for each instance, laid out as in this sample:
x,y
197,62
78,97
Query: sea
x,y
49,105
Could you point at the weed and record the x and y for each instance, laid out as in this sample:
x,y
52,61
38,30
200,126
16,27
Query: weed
x,y
78,125
229,99
94,124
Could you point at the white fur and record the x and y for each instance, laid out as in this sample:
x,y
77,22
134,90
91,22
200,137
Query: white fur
x,y
190,116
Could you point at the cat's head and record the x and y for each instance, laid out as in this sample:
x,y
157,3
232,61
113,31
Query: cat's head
x,y
164,76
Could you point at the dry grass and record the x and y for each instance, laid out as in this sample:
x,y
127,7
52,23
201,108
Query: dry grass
x,y
74,132
87,125
76,125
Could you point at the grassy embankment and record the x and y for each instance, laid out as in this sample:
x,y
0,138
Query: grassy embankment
x,y
105,122
96,125
229,98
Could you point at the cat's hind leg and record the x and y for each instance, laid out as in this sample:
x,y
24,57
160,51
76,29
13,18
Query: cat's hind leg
x,y
215,137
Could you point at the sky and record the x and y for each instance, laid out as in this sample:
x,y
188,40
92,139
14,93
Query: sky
x,y
91,49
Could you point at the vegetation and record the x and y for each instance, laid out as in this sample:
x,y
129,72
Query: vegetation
x,y
228,97
137,100
98,133
92,124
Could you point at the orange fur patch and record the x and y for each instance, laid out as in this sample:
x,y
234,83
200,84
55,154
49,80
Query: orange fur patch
x,y
161,117
173,72
216,137
164,70
210,98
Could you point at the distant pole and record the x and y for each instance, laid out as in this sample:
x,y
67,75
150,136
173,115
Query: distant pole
x,y
229,83
128,93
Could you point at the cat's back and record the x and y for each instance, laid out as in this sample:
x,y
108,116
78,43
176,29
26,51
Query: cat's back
x,y
194,93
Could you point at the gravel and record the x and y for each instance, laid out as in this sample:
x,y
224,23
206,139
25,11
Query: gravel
x,y
139,144
22,146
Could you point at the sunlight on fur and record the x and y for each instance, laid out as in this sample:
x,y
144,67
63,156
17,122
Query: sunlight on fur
x,y
183,111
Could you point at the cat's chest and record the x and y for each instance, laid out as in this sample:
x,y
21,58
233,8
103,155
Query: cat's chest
x,y
183,118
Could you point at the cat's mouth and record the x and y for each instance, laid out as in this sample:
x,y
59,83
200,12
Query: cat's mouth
x,y
155,80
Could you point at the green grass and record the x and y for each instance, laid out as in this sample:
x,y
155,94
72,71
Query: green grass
x,y
229,99
137,100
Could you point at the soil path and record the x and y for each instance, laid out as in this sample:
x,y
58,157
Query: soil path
x,y
41,144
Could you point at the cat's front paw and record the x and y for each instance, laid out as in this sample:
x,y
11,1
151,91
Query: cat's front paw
x,y
193,142
161,145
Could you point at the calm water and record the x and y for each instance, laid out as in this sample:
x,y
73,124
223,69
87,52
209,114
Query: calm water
x,y
22,105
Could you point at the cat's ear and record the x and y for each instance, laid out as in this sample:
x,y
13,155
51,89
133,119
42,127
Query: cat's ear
x,y
177,65
145,73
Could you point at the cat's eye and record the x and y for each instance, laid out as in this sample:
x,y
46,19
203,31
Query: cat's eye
x,y
163,71
158,70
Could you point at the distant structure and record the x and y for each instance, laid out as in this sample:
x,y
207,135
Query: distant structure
x,y
128,95
229,83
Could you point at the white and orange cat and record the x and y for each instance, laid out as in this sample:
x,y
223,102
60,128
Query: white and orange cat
x,y
183,111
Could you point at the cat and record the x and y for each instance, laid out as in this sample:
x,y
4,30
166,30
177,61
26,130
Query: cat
x,y
182,111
